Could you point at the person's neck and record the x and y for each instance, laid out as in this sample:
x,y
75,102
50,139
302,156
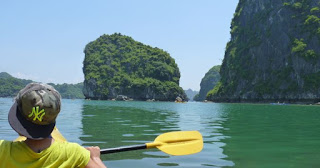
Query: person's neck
x,y
39,145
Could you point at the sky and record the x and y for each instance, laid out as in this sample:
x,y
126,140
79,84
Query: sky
x,y
44,40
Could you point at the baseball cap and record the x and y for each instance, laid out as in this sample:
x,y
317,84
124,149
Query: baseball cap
x,y
35,110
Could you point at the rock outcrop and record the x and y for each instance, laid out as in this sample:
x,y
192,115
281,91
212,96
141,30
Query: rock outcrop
x,y
118,65
273,54
208,82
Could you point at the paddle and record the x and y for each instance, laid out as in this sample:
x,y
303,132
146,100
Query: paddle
x,y
173,143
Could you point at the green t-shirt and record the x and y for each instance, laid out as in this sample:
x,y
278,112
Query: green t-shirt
x,y
59,154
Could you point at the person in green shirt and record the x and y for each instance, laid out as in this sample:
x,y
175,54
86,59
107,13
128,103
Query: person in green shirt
x,y
33,115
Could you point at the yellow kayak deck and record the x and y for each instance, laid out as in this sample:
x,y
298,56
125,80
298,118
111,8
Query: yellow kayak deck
x,y
56,135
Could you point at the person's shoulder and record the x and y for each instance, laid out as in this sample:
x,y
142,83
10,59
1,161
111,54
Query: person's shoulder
x,y
5,142
71,147
75,152
1,142
69,144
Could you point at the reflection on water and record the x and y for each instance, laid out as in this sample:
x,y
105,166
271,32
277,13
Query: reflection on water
x,y
112,124
272,136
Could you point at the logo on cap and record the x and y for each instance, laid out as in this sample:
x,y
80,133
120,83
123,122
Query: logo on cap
x,y
37,114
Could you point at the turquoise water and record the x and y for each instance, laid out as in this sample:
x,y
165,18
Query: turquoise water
x,y
235,135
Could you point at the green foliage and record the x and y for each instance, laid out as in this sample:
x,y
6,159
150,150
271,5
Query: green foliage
x,y
309,14
312,81
264,87
196,97
310,54
214,91
10,86
312,20
286,4
5,75
233,52
167,90
237,13
280,84
297,5
310,26
234,29
315,10
120,65
298,46
69,91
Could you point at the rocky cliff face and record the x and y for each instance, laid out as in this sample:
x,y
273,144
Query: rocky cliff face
x,y
210,79
118,65
273,54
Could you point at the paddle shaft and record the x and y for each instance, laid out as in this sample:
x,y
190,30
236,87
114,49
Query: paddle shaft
x,y
123,149
173,143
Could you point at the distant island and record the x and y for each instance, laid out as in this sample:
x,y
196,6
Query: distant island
x,y
191,93
117,66
208,82
273,54
10,86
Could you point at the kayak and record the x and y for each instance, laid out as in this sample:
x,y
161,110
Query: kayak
x,y
56,135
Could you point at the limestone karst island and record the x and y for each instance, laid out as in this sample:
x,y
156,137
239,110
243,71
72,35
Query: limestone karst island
x,y
117,65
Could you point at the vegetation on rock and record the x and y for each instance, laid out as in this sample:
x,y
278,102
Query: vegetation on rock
x,y
118,65
208,82
69,91
10,86
273,54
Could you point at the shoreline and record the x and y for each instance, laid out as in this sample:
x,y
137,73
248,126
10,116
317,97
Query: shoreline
x,y
209,101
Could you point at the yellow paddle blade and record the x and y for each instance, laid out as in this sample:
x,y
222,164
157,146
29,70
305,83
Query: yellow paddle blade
x,y
178,143
56,135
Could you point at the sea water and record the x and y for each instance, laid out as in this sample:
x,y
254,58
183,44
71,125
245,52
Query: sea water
x,y
235,135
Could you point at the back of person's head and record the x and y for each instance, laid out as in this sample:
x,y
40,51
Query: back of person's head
x,y
35,110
